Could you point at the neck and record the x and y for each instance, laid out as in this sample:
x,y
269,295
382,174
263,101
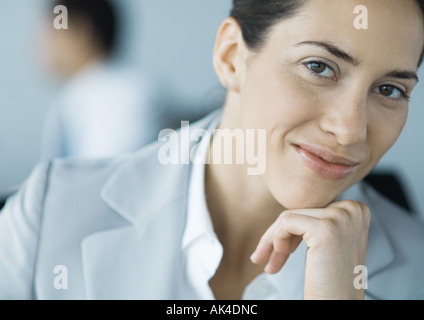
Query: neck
x,y
241,206
81,63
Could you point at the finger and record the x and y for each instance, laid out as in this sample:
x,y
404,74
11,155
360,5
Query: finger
x,y
276,262
286,237
315,213
283,237
286,245
265,246
348,205
354,208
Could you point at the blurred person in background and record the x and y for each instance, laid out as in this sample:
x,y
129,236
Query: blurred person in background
x,y
103,109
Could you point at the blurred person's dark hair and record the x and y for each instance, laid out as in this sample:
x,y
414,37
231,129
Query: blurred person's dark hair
x,y
101,15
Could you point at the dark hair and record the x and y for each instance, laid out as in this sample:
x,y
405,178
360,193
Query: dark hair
x,y
421,4
256,17
100,14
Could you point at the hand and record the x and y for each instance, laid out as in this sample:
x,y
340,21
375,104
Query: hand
x,y
336,237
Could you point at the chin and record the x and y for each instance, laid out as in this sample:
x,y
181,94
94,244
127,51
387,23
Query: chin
x,y
305,202
307,195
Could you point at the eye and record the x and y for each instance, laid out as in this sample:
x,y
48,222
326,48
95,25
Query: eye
x,y
391,92
321,69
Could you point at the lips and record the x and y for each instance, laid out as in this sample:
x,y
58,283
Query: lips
x,y
325,163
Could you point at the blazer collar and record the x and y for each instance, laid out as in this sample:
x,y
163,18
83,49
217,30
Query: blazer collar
x,y
141,190
380,253
141,184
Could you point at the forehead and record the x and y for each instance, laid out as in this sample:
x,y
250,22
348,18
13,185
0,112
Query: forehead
x,y
395,31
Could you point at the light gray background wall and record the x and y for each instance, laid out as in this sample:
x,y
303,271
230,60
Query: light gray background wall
x,y
172,38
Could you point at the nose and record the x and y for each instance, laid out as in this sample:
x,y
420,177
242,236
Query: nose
x,y
347,119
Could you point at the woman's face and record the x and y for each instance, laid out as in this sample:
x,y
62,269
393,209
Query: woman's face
x,y
333,99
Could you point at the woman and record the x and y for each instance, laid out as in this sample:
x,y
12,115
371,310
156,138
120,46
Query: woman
x,y
331,99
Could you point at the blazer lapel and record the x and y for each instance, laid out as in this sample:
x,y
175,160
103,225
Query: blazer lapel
x,y
118,264
152,197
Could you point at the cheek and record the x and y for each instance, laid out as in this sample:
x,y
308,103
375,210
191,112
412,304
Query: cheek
x,y
285,111
384,130
58,49
275,100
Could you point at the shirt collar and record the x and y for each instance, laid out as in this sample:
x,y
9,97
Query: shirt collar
x,y
199,222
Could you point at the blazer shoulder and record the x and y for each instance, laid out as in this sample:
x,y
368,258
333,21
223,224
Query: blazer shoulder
x,y
20,222
396,219
403,277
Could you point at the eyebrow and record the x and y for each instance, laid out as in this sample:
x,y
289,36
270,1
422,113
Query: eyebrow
x,y
332,49
339,53
403,75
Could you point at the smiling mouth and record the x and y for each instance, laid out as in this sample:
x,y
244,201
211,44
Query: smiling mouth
x,y
325,163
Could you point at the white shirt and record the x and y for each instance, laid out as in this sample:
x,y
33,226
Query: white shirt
x,y
103,111
203,251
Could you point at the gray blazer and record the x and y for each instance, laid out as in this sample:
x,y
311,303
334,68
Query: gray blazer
x,y
116,225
